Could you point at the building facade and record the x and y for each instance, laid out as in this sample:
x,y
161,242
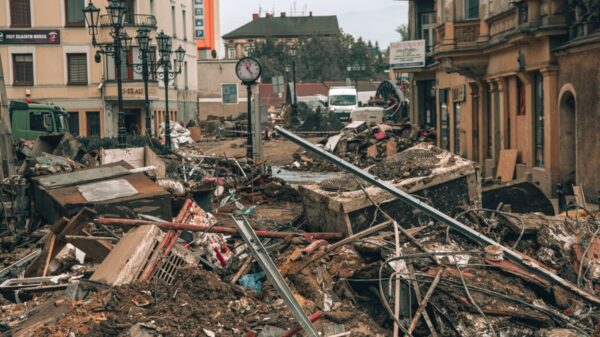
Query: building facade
x,y
221,94
496,83
284,29
47,56
207,28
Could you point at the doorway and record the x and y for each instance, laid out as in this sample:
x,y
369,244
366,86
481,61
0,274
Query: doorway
x,y
133,121
568,140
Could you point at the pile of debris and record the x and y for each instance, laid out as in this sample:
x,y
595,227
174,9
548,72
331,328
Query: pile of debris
x,y
196,245
363,145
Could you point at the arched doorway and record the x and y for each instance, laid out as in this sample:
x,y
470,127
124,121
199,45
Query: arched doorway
x,y
568,139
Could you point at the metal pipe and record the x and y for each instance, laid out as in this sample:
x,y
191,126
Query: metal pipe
x,y
215,229
510,254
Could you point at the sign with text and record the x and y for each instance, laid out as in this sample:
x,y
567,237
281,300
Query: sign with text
x,y
407,54
29,37
132,91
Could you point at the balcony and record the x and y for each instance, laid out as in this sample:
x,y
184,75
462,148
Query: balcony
x,y
134,20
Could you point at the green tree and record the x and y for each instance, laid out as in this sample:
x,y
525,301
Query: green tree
x,y
403,31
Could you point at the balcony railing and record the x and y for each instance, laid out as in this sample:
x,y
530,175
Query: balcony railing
x,y
134,20
466,32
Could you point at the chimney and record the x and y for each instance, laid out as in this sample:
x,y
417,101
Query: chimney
x,y
255,16
283,14
310,13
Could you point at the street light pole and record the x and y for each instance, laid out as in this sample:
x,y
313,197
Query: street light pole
x,y
145,68
121,43
170,70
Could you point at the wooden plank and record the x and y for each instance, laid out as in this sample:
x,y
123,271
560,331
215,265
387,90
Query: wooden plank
x,y
49,257
134,156
579,196
36,268
507,164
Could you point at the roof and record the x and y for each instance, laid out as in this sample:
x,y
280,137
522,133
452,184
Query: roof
x,y
288,26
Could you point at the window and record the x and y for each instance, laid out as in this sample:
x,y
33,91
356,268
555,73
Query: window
x,y
444,120
74,123
20,13
130,6
93,123
173,22
230,53
23,69
184,25
77,68
471,9
539,120
229,93
40,121
152,8
428,29
457,118
74,13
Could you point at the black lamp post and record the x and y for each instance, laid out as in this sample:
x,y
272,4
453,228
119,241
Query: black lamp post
x,y
356,68
293,51
169,71
145,68
117,11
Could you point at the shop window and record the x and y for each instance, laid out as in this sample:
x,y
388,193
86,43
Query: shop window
x,y
520,98
20,13
74,13
471,9
93,123
23,69
539,120
77,68
74,123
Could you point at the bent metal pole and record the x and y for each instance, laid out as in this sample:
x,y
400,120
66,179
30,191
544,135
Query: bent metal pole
x,y
511,255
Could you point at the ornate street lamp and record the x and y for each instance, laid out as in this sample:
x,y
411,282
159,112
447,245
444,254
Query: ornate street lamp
x,y
121,43
168,72
293,50
145,68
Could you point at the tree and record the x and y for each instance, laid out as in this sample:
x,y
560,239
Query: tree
x,y
403,31
320,58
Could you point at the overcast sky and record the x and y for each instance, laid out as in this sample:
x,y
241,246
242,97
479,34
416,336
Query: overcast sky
x,y
374,20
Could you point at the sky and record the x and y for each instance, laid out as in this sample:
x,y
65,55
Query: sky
x,y
374,20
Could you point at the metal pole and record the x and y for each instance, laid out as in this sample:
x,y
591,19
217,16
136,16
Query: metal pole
x,y
122,131
434,213
168,117
145,76
249,150
295,103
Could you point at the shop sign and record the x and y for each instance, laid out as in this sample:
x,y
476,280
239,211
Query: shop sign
x,y
407,54
29,37
132,91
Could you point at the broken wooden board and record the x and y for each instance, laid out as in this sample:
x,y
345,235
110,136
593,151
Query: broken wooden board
x,y
507,165
390,148
372,151
128,258
579,196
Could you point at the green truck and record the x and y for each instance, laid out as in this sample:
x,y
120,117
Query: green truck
x,y
31,120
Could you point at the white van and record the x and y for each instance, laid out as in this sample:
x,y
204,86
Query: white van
x,y
342,100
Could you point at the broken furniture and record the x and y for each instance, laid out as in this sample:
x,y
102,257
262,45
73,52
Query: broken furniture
x,y
137,157
111,190
451,182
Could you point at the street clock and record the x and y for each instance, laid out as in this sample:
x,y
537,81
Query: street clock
x,y
248,70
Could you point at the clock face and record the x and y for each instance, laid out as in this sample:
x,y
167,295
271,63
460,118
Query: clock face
x,y
248,69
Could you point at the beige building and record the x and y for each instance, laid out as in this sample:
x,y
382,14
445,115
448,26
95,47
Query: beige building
x,y
47,56
221,93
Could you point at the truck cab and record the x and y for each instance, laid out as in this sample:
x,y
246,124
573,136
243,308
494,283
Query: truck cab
x,y
31,120
342,100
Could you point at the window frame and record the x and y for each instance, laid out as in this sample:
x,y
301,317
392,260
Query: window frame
x,y
14,70
75,132
88,124
69,79
73,24
12,15
466,10
237,93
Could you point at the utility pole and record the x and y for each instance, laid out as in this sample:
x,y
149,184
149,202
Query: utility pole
x,y
6,143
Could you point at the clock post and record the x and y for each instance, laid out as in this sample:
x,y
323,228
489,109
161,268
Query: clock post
x,y
248,70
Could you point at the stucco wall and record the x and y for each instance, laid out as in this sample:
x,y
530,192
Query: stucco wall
x,y
582,72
